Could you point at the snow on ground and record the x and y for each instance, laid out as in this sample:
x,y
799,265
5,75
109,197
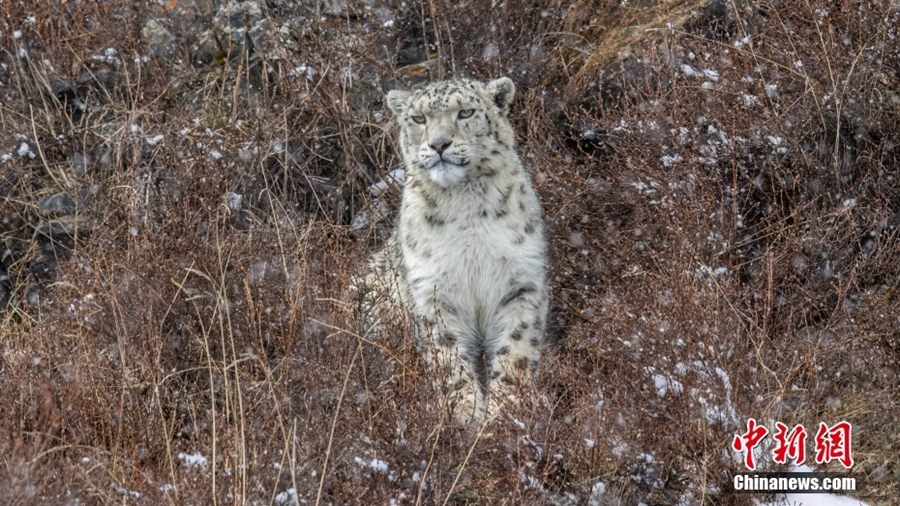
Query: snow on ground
x,y
395,178
156,139
379,466
195,460
379,208
286,498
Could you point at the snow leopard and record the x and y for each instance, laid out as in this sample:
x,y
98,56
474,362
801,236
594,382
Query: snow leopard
x,y
467,259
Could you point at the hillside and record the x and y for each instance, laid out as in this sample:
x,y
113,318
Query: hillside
x,y
189,186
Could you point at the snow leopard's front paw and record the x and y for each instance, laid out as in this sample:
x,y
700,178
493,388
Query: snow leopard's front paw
x,y
466,404
520,395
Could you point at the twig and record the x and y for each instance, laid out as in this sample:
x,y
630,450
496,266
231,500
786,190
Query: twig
x,y
337,412
464,462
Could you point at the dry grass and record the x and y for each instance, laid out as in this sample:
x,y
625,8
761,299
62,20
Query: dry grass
x,y
721,249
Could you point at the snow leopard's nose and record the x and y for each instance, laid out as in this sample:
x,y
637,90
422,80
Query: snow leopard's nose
x,y
440,145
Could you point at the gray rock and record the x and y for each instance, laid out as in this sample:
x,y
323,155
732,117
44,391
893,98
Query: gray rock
x,y
80,163
159,39
576,239
265,40
236,23
33,296
59,204
44,269
66,227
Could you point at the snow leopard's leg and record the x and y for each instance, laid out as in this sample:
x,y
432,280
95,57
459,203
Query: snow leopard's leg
x,y
451,352
381,292
373,294
515,344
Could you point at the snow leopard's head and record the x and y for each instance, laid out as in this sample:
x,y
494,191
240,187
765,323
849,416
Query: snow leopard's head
x,y
455,129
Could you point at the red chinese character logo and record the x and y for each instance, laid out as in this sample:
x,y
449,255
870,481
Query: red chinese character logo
x,y
789,445
834,443
748,441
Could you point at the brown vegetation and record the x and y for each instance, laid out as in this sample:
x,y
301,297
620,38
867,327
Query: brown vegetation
x,y
180,225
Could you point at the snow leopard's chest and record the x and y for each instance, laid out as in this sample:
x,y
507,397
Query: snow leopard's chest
x,y
467,249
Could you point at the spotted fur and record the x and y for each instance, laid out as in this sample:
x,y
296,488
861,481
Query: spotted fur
x,y
468,257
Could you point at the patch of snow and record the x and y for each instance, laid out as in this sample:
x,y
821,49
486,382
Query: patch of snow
x,y
718,272
126,492
108,56
286,498
597,493
669,160
25,150
622,127
664,385
379,211
749,100
395,177
490,51
304,70
156,139
532,483
379,466
195,460
645,188
234,200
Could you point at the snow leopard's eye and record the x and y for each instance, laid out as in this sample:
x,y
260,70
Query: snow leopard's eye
x,y
466,113
419,118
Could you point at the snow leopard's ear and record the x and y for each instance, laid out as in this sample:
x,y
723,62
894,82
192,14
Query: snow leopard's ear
x,y
502,91
398,101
